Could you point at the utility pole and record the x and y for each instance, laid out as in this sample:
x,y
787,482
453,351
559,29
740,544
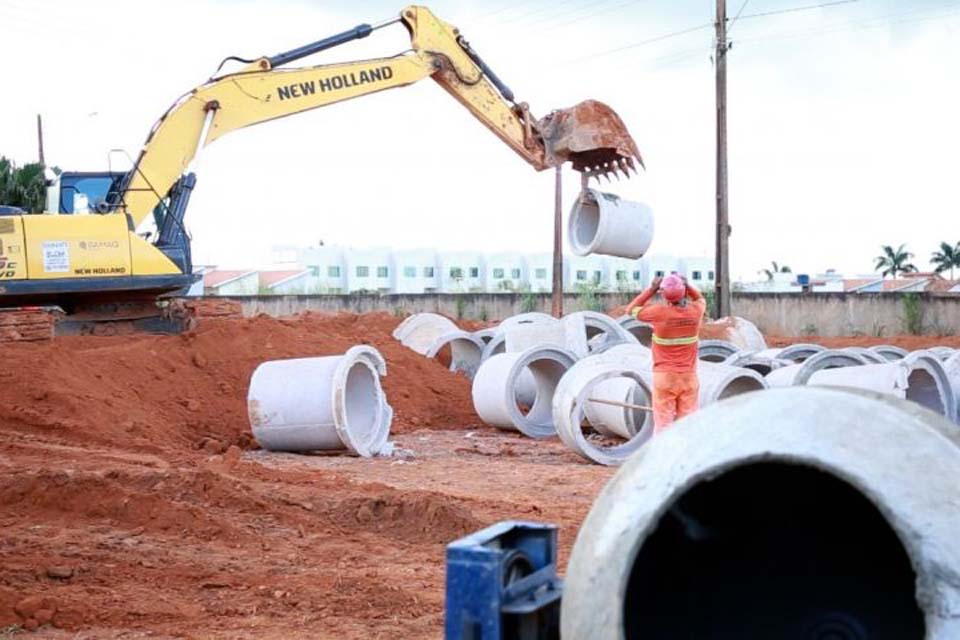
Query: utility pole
x,y
43,164
722,281
557,307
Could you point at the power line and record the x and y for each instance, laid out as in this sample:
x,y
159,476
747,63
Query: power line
x,y
578,12
794,9
642,43
737,17
592,15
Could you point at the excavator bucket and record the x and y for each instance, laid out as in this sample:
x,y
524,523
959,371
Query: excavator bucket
x,y
592,137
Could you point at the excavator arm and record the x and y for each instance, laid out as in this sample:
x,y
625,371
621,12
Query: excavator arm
x,y
590,135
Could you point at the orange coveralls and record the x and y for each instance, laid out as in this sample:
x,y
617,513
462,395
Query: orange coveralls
x,y
676,327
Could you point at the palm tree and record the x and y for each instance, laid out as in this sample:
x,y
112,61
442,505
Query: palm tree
x,y
947,258
895,261
776,269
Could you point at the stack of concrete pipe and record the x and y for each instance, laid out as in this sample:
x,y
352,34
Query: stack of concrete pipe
x,y
930,378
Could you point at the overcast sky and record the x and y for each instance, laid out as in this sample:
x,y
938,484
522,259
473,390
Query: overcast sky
x,y
844,130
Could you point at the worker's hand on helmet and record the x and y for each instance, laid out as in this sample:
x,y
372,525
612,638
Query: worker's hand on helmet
x,y
655,283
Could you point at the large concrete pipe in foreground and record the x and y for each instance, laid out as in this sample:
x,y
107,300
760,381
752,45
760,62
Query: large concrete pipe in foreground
x,y
804,513
604,223
328,403
798,374
498,382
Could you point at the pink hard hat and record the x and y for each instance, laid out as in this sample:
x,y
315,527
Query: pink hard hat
x,y
672,288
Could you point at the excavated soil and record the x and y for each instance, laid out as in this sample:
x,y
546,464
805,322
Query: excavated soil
x,y
134,502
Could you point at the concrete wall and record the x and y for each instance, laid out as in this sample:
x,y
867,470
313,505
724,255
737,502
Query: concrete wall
x,y
825,314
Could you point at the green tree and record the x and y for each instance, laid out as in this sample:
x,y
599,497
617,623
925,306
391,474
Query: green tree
x,y
22,187
776,269
894,261
946,258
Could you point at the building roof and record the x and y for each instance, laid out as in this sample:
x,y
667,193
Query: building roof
x,y
271,279
218,278
858,283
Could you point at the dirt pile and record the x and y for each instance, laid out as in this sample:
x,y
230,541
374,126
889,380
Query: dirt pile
x,y
153,393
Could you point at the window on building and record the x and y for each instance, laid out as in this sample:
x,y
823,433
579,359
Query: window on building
x,y
696,275
581,275
428,272
597,277
474,272
333,272
540,274
314,271
636,276
659,274
383,272
709,275
456,273
409,272
363,272
515,274
498,274
621,276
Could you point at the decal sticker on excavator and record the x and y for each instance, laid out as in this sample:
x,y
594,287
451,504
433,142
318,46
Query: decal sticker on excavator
x,y
334,83
56,256
7,269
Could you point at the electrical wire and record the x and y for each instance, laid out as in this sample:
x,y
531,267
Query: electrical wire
x,y
794,9
642,43
737,17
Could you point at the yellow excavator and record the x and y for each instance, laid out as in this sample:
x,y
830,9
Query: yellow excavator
x,y
88,254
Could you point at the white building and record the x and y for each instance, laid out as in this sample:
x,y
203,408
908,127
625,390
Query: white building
x,y
368,270
540,272
626,274
662,265
327,268
505,272
461,271
699,271
585,271
415,271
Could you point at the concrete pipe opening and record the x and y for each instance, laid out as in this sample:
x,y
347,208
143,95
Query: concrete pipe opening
x,y
459,351
922,388
889,352
716,350
799,352
771,550
642,331
607,224
806,512
738,385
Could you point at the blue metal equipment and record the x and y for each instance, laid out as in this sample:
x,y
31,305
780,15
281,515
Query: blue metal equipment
x,y
502,584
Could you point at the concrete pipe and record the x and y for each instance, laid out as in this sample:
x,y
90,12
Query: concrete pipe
x,y
532,317
328,403
616,420
800,352
914,381
573,394
496,344
806,513
716,350
423,330
942,352
601,331
569,333
458,350
889,352
739,331
952,368
871,357
799,374
757,361
604,223
419,320
719,382
495,389
484,335
642,331
931,363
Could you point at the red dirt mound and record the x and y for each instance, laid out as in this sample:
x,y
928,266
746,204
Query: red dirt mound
x,y
186,392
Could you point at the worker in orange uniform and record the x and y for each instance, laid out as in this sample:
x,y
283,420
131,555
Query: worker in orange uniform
x,y
676,326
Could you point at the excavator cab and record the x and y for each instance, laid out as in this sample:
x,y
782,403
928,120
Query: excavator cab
x,y
83,192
